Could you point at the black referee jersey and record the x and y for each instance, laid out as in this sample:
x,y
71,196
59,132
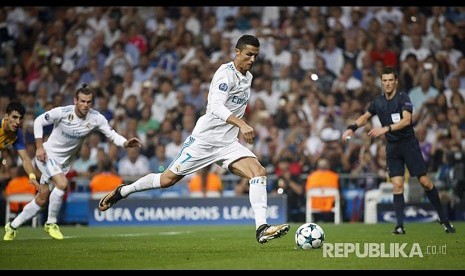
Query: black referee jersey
x,y
390,112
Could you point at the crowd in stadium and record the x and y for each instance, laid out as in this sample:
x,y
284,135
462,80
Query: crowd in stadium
x,y
317,70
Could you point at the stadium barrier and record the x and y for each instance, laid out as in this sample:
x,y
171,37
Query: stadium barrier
x,y
185,210
359,197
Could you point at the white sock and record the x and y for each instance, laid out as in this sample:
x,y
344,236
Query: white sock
x,y
29,211
258,199
56,198
150,181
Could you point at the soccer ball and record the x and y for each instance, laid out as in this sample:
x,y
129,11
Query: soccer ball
x,y
309,236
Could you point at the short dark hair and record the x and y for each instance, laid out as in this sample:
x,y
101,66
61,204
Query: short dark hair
x,y
84,89
15,106
389,70
247,40
411,55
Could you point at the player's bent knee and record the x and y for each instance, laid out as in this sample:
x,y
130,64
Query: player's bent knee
x,y
41,200
258,171
169,179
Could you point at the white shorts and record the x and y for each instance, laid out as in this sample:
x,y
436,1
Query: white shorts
x,y
49,169
196,155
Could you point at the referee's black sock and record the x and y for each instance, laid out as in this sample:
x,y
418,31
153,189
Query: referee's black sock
x,y
399,205
433,197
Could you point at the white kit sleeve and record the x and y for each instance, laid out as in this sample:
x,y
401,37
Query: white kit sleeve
x,y
218,95
46,119
109,132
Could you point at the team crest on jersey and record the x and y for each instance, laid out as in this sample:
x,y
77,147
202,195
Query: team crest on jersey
x,y
89,126
223,86
47,116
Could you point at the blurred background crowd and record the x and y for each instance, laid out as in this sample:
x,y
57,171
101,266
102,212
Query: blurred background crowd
x,y
317,70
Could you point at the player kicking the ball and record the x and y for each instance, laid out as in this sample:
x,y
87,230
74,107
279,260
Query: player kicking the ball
x,y
215,140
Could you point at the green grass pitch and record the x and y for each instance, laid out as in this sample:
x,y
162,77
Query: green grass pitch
x,y
232,247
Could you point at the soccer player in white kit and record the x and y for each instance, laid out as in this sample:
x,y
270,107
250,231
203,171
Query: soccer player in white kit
x,y
215,140
71,125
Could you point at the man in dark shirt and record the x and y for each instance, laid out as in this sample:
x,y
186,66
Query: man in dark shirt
x,y
11,137
394,110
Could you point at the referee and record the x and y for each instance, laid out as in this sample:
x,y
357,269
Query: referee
x,y
394,110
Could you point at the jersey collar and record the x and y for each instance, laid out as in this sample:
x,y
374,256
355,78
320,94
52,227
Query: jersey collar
x,y
240,76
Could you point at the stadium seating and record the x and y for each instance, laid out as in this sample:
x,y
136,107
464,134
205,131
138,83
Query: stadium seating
x,y
18,198
323,192
372,197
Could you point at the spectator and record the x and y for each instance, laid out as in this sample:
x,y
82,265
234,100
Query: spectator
x,y
417,48
165,100
423,93
333,55
413,16
119,60
7,86
134,164
279,56
323,176
408,77
382,53
105,179
175,145
196,94
325,76
205,183
144,72
389,13
159,162
19,184
294,188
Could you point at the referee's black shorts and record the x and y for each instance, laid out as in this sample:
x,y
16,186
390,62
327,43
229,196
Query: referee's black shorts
x,y
405,153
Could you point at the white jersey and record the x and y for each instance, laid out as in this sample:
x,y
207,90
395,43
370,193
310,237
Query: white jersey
x,y
69,132
229,94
